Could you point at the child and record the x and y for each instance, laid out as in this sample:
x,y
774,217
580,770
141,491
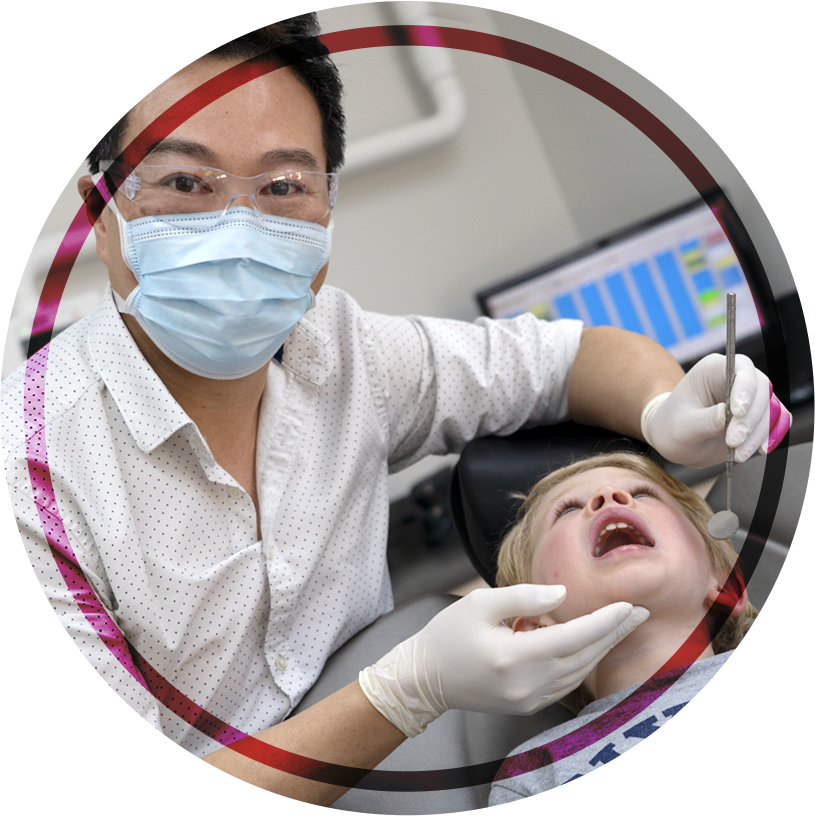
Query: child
x,y
617,527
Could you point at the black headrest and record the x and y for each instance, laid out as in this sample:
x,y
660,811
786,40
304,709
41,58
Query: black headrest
x,y
492,468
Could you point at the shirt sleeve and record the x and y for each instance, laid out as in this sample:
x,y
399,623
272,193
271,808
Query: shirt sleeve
x,y
505,801
20,528
449,382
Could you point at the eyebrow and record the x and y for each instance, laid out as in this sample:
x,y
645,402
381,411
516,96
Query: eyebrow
x,y
283,158
279,159
183,147
554,497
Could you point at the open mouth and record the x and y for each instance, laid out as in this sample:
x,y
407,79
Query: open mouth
x,y
618,534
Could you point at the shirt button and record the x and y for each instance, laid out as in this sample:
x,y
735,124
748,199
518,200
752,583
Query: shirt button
x,y
235,493
281,663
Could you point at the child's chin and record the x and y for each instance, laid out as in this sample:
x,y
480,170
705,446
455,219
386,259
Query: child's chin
x,y
639,593
635,586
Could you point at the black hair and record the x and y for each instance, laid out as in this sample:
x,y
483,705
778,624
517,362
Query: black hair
x,y
294,43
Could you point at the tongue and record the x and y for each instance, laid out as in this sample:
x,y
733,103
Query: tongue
x,y
619,538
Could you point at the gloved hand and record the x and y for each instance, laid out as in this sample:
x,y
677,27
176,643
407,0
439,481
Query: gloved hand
x,y
467,658
687,425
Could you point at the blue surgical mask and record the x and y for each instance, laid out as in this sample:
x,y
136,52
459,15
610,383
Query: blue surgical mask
x,y
219,293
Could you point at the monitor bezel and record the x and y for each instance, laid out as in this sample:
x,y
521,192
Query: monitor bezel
x,y
725,214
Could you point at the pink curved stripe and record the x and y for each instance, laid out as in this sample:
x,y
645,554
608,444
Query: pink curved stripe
x,y
51,522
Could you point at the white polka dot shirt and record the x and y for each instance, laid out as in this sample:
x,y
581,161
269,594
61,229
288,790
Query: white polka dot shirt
x,y
168,539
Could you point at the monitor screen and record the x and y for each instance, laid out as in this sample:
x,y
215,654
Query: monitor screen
x,y
666,277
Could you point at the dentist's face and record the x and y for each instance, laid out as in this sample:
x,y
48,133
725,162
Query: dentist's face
x,y
270,123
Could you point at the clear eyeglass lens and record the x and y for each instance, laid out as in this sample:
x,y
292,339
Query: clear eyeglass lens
x,y
176,189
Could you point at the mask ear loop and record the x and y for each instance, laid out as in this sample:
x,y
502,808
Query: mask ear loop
x,y
122,224
121,304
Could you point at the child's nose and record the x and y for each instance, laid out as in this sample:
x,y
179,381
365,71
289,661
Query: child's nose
x,y
609,495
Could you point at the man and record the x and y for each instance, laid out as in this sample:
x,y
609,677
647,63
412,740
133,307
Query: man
x,y
217,452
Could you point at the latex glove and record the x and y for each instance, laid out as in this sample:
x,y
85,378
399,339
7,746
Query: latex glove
x,y
687,425
467,658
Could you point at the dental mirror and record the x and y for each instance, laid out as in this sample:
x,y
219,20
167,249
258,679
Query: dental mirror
x,y
725,523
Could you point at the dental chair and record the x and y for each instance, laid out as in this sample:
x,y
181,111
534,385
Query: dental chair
x,y
489,471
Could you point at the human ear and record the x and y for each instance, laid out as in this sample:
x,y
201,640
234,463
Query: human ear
x,y
730,593
94,207
94,203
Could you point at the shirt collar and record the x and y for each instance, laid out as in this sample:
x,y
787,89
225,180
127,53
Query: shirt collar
x,y
308,351
149,410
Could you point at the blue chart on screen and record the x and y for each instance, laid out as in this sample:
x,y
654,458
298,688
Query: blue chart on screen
x,y
665,279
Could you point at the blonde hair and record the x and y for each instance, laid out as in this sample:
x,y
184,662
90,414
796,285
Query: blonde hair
x,y
518,546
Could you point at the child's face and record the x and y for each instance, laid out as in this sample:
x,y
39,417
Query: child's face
x,y
611,535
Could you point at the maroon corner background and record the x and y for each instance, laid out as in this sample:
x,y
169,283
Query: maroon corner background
x,y
76,727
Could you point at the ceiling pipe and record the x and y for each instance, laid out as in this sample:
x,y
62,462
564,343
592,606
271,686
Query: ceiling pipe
x,y
436,71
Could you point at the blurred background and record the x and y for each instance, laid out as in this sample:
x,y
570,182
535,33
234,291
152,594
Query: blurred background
x,y
463,171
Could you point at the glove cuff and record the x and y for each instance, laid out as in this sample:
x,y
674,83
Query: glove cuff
x,y
393,686
648,411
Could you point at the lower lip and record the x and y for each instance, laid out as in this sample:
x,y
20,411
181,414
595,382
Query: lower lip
x,y
624,549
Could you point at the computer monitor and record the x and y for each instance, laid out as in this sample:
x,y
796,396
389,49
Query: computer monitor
x,y
666,277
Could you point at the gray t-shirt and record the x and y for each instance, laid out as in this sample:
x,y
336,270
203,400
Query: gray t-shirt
x,y
528,794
